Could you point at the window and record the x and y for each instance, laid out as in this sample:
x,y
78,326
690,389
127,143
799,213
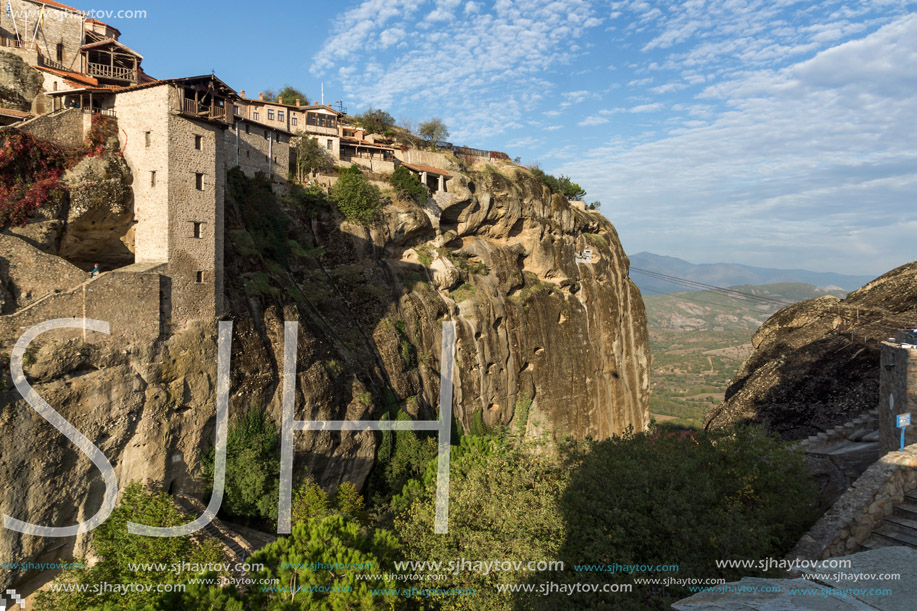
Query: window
x,y
280,115
153,178
235,110
60,52
199,142
265,134
197,227
270,114
277,136
330,144
256,116
199,277
148,138
320,120
199,181
294,120
247,130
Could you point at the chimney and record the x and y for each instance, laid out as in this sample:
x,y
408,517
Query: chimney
x,y
242,93
297,102
260,96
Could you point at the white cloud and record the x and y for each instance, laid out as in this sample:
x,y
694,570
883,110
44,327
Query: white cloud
x,y
815,162
647,107
593,120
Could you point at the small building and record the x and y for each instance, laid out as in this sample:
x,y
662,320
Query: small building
x,y
432,178
9,116
316,120
256,147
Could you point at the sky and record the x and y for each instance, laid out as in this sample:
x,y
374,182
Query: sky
x,y
776,133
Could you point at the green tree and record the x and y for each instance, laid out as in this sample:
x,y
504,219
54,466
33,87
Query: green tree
x,y
376,121
408,186
117,550
570,189
355,197
310,158
289,95
433,130
309,502
252,466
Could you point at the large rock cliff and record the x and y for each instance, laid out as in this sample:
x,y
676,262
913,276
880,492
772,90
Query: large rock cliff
x,y
547,343
816,363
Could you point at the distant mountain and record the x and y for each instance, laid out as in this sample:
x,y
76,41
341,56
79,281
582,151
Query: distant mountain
x,y
727,274
719,311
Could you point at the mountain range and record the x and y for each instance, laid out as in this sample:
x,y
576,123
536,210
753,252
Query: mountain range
x,y
725,275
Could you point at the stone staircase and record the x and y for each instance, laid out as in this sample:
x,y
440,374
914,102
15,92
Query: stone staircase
x,y
900,528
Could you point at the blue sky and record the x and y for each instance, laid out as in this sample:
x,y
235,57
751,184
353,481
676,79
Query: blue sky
x,y
778,133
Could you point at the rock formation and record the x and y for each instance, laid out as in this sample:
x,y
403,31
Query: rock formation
x,y
816,363
19,82
545,344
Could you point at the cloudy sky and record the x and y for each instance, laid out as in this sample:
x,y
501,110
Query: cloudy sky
x,y
779,133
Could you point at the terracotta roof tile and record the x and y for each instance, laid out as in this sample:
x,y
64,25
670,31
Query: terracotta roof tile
x,y
74,76
428,169
9,112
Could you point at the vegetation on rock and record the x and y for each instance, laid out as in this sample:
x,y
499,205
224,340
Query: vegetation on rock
x,y
356,198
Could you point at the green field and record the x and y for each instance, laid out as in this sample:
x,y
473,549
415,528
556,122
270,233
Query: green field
x,y
698,341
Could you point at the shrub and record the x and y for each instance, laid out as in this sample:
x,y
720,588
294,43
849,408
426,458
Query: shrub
x,y
103,129
117,550
30,173
358,200
408,186
252,466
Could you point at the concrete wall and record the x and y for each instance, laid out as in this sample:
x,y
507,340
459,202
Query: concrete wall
x,y
68,127
129,302
430,158
897,394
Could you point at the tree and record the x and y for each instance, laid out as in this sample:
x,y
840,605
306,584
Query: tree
x,y
358,200
310,157
570,189
252,466
433,130
119,550
289,95
376,121
270,95
408,186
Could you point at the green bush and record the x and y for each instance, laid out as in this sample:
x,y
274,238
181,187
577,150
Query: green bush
x,y
408,186
252,466
117,549
358,200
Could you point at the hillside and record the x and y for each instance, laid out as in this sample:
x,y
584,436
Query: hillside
x,y
729,274
816,364
699,339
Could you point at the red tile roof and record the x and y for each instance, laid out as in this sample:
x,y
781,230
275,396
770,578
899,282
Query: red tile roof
x,y
366,143
428,169
58,5
73,76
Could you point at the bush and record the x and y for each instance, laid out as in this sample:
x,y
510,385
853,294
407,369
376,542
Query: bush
x,y
408,186
311,157
117,550
358,200
252,467
30,173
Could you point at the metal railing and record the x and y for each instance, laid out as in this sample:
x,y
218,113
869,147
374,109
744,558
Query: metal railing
x,y
112,72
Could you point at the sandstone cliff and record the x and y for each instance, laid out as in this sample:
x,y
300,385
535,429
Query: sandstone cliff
x,y
546,344
816,363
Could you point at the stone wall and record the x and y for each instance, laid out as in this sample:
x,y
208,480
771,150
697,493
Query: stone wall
x,y
128,301
854,516
58,26
143,118
421,157
196,263
29,273
897,393
256,148
67,127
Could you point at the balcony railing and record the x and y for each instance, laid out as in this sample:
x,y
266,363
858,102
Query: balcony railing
x,y
113,72
190,107
11,42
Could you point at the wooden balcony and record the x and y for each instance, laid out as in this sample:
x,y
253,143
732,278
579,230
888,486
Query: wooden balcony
x,y
12,43
114,73
203,111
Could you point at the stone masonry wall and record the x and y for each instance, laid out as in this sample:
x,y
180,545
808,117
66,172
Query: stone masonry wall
x,y
128,301
143,117
196,297
67,127
255,148
854,516
33,273
897,394
58,26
